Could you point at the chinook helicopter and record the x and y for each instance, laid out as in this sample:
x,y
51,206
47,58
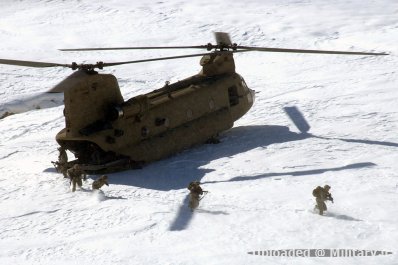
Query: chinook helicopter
x,y
107,133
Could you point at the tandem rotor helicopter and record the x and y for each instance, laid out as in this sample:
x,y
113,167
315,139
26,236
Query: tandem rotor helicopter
x,y
107,133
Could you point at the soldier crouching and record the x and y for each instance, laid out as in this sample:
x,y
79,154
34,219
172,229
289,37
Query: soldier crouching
x,y
101,181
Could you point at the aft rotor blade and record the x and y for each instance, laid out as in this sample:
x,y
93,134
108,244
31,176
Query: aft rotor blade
x,y
136,48
222,38
167,58
261,49
31,63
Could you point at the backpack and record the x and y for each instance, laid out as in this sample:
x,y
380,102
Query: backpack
x,y
193,184
315,192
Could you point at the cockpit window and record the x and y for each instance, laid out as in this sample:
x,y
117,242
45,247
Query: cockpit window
x,y
244,84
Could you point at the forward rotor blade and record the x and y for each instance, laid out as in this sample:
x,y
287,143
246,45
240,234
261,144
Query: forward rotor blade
x,y
36,101
31,63
167,58
261,49
136,48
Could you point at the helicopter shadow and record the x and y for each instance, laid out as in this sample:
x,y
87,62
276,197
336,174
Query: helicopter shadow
x,y
303,126
295,173
349,140
178,171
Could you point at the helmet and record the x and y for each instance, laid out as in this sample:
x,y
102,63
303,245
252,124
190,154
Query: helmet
x,y
326,187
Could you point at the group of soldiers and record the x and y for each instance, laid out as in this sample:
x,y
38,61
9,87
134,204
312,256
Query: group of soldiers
x,y
76,175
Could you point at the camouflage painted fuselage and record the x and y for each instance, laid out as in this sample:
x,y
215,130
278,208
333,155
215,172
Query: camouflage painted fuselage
x,y
100,127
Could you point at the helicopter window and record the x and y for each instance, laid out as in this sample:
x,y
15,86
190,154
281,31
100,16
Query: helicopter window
x,y
244,84
233,96
160,121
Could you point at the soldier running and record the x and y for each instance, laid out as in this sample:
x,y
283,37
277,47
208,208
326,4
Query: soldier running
x,y
76,174
101,181
194,196
322,195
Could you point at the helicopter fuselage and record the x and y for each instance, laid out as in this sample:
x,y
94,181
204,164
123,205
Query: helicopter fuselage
x,y
101,128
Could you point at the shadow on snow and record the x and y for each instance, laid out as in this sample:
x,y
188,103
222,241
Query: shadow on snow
x,y
297,173
177,171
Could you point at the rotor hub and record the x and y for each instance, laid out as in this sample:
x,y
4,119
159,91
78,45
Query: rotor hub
x,y
222,47
87,67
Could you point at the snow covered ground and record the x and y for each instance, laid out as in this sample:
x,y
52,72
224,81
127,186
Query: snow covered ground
x,y
260,177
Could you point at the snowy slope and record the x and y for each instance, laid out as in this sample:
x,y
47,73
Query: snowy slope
x,y
260,177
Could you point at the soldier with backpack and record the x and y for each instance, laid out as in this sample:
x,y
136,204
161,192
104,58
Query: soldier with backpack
x,y
321,195
194,195
76,174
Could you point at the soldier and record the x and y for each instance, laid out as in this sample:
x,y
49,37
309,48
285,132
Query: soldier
x,y
95,156
194,196
62,161
322,195
101,181
76,174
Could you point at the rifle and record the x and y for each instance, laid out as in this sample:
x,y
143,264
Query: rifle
x,y
330,198
205,192
56,165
